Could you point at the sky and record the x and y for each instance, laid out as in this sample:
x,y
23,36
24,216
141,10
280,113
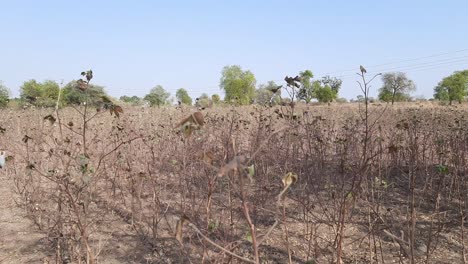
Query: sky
x,y
132,46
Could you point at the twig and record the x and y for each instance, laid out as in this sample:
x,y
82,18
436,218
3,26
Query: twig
x,y
218,246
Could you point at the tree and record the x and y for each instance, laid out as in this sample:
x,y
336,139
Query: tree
x,y
453,87
237,84
325,90
157,96
306,91
332,82
268,93
183,97
71,95
396,87
263,96
203,101
40,94
216,99
134,100
325,94
4,95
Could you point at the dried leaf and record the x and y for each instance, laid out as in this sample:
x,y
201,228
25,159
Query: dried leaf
x,y
50,118
179,227
289,178
82,85
196,119
207,157
116,110
26,138
89,75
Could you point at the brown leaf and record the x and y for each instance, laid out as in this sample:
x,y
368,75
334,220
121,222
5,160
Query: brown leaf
x,y
26,138
179,228
50,118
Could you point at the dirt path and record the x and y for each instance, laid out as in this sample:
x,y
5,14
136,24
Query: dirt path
x,y
18,241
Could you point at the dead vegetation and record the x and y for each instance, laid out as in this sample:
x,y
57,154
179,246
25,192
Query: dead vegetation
x,y
247,184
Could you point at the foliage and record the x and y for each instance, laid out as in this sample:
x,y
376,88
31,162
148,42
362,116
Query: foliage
x,y
325,90
237,84
183,97
72,95
307,89
332,82
4,95
216,99
396,87
325,94
268,93
157,96
341,100
453,87
40,94
134,100
203,101
263,96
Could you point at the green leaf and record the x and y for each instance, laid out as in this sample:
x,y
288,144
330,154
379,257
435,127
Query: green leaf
x,y
251,169
248,236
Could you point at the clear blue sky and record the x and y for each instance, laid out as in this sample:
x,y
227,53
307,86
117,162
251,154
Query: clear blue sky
x,y
134,45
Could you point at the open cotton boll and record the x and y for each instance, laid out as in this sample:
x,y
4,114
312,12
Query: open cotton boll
x,y
2,160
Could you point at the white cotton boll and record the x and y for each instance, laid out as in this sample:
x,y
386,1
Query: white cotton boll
x,y
2,160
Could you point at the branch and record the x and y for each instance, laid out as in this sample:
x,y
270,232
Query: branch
x,y
218,246
114,149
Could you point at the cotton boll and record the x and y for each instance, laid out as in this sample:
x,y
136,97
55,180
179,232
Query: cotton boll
x,y
2,160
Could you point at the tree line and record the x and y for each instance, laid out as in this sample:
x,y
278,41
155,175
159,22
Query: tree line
x,y
240,87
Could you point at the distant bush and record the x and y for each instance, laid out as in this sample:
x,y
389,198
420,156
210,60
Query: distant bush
x,y
4,95
43,94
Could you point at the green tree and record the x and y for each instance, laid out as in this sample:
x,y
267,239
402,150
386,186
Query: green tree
x,y
40,94
332,82
268,93
396,87
4,95
157,96
216,99
453,87
133,100
263,96
325,94
237,84
183,97
203,101
71,95
307,90
30,91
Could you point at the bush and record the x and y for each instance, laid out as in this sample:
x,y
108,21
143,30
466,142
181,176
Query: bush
x,y
4,95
